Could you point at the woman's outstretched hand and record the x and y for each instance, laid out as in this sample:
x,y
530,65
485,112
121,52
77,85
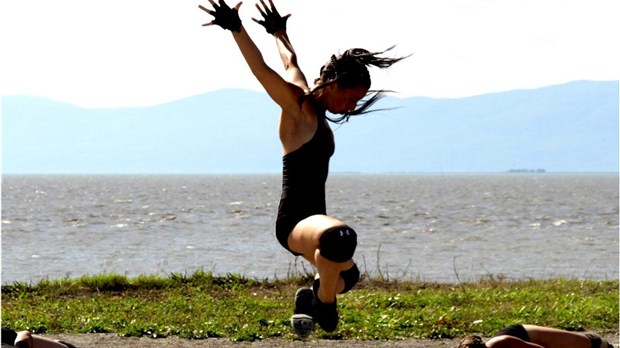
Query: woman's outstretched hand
x,y
272,21
225,17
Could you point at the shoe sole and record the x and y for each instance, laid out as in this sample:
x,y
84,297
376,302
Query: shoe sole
x,y
303,324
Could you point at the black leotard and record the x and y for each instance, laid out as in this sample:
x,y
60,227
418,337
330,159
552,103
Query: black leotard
x,y
8,336
515,330
304,174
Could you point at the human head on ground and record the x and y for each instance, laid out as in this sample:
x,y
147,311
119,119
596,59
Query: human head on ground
x,y
472,341
345,80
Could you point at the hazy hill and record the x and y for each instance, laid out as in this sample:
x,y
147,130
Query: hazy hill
x,y
569,128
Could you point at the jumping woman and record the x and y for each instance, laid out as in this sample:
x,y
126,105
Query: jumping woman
x,y
303,226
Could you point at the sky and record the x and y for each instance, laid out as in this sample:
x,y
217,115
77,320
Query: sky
x,y
124,53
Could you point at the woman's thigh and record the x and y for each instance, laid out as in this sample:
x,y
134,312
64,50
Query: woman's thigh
x,y
306,235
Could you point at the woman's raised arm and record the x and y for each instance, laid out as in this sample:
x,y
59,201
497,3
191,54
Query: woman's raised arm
x,y
283,93
275,25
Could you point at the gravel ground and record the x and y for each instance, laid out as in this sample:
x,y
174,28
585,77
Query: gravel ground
x,y
111,340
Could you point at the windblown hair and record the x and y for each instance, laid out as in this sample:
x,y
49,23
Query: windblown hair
x,y
472,341
349,70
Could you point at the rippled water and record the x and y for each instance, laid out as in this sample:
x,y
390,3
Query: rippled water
x,y
441,228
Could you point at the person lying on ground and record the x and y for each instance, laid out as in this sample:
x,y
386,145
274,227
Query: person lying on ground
x,y
25,339
532,336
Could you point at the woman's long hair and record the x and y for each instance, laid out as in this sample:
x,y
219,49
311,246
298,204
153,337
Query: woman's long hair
x,y
349,70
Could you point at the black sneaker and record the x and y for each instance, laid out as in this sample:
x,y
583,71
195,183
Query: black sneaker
x,y
302,320
326,315
304,301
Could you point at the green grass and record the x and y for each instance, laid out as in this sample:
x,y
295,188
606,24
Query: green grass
x,y
201,305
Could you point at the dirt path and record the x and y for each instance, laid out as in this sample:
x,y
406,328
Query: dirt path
x,y
114,341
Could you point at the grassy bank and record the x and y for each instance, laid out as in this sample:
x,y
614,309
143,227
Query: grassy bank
x,y
200,306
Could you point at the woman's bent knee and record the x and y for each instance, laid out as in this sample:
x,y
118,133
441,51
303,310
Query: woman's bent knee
x,y
338,244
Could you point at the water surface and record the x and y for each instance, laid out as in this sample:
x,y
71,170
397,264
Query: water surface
x,y
442,228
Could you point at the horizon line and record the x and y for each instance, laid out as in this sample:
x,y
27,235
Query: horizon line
x,y
393,94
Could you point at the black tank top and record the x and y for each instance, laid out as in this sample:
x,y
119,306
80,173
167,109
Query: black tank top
x,y
304,174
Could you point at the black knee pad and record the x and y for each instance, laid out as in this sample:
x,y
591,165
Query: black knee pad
x,y
338,244
350,277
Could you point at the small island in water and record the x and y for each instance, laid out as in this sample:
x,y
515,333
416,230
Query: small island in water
x,y
539,170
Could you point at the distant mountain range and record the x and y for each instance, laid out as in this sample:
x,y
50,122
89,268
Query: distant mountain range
x,y
564,128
